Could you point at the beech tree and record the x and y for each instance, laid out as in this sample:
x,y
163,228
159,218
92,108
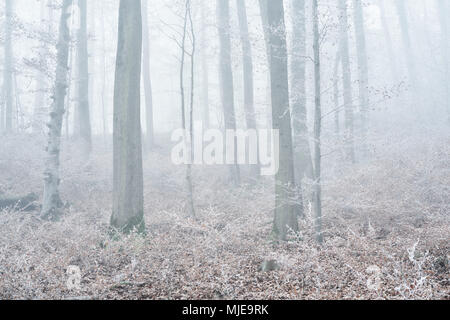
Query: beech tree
x,y
226,78
8,69
128,199
285,191
51,203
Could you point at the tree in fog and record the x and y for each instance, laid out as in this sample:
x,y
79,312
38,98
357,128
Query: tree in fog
x,y
347,80
205,71
83,82
149,138
249,107
302,152
7,120
128,202
285,208
444,13
363,65
317,125
226,78
51,202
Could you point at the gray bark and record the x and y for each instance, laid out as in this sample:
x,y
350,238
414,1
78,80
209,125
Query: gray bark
x,y
83,82
347,81
51,200
249,107
128,200
302,152
149,140
266,31
226,77
285,208
363,65
9,68
317,126
205,72
444,11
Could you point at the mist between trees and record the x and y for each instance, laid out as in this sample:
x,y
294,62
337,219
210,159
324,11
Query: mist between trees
x,y
215,136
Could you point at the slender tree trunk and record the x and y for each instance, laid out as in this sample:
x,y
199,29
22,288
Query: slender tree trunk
x,y
51,200
9,68
83,82
226,78
128,199
347,81
408,51
337,107
389,46
363,67
317,126
444,12
39,101
205,72
249,106
104,71
302,152
285,191
266,31
147,79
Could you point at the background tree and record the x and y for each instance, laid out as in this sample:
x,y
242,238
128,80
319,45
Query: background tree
x,y
302,152
226,78
51,202
285,207
83,82
128,202
347,81
8,68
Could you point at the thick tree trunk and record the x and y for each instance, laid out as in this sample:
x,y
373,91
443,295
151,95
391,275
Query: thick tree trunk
x,y
226,78
249,106
363,66
149,140
347,81
128,200
83,83
302,152
317,126
51,199
9,68
285,191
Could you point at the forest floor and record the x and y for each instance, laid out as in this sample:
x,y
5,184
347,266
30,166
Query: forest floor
x,y
386,230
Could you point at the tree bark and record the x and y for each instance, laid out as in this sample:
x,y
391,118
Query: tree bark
x,y
317,126
249,105
226,78
285,208
128,200
347,82
83,83
302,151
444,12
9,68
51,199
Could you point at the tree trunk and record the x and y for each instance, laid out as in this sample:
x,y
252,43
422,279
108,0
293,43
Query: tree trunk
x,y
205,72
147,79
389,46
128,202
83,83
249,106
9,68
226,79
317,126
444,12
51,199
302,152
285,208
363,67
347,81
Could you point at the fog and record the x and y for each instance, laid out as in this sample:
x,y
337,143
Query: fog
x,y
228,149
